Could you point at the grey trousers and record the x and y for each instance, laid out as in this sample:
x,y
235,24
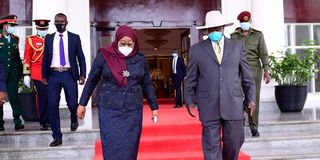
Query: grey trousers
x,y
226,147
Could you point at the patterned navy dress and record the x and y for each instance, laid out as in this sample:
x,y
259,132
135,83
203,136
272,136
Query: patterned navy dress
x,y
120,108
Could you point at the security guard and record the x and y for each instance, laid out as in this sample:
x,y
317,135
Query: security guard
x,y
256,53
9,54
33,55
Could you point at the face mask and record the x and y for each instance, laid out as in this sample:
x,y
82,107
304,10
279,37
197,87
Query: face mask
x,y
245,26
125,50
215,36
174,54
60,27
10,29
42,33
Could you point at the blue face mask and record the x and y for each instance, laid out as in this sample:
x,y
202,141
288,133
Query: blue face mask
x,y
215,36
42,33
10,29
245,26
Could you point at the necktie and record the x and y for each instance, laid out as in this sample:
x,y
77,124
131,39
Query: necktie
x,y
62,57
218,52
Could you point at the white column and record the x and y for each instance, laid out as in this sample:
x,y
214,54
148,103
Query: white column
x,y
268,17
77,12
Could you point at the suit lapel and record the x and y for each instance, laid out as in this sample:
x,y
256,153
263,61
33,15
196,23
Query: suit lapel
x,y
226,48
209,49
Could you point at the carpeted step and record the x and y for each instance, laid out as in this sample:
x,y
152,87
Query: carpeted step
x,y
156,154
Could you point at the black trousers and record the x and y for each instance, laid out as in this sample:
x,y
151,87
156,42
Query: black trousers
x,y
42,101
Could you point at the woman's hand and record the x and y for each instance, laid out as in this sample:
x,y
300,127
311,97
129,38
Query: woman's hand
x,y
155,116
81,111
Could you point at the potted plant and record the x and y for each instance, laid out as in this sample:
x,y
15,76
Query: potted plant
x,y
292,72
27,98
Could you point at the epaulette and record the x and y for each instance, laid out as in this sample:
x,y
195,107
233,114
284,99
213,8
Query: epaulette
x,y
236,31
256,30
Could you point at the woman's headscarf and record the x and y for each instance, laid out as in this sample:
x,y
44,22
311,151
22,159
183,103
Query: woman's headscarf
x,y
115,59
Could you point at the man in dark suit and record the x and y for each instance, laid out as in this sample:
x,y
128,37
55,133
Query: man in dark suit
x,y
217,73
177,74
2,88
62,54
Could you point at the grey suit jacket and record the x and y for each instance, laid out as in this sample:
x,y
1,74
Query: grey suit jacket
x,y
217,89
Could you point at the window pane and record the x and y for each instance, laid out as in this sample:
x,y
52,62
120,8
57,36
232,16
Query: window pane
x,y
302,34
316,34
22,32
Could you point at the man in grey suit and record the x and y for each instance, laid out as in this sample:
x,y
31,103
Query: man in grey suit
x,y
217,76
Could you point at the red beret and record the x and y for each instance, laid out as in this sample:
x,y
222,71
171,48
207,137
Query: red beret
x,y
244,16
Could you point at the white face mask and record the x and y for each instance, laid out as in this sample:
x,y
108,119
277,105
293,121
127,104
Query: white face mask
x,y
174,54
125,50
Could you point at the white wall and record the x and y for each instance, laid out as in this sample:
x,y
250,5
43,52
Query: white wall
x,y
77,12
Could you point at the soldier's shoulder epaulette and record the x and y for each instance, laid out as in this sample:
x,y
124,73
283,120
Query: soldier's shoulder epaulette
x,y
14,36
256,30
236,31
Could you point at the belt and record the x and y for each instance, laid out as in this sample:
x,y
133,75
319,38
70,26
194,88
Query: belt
x,y
60,69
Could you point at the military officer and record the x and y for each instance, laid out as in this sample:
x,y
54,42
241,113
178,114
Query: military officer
x,y
9,54
33,54
257,55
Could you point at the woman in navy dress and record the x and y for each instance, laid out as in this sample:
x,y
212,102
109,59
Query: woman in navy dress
x,y
123,74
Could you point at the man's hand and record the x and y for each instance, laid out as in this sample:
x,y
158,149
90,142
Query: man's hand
x,y
251,108
266,77
3,97
44,81
82,80
81,111
189,108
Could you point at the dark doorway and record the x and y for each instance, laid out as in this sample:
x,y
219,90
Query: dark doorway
x,y
157,45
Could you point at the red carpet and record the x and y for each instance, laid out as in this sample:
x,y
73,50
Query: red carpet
x,y
176,136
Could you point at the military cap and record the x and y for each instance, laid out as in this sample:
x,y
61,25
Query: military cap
x,y
244,16
9,19
42,23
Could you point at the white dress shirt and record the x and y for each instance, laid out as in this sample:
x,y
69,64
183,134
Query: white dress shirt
x,y
56,50
174,64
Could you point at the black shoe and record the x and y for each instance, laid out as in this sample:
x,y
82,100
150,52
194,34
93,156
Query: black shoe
x,y
74,126
177,106
56,142
18,127
1,128
44,127
255,133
